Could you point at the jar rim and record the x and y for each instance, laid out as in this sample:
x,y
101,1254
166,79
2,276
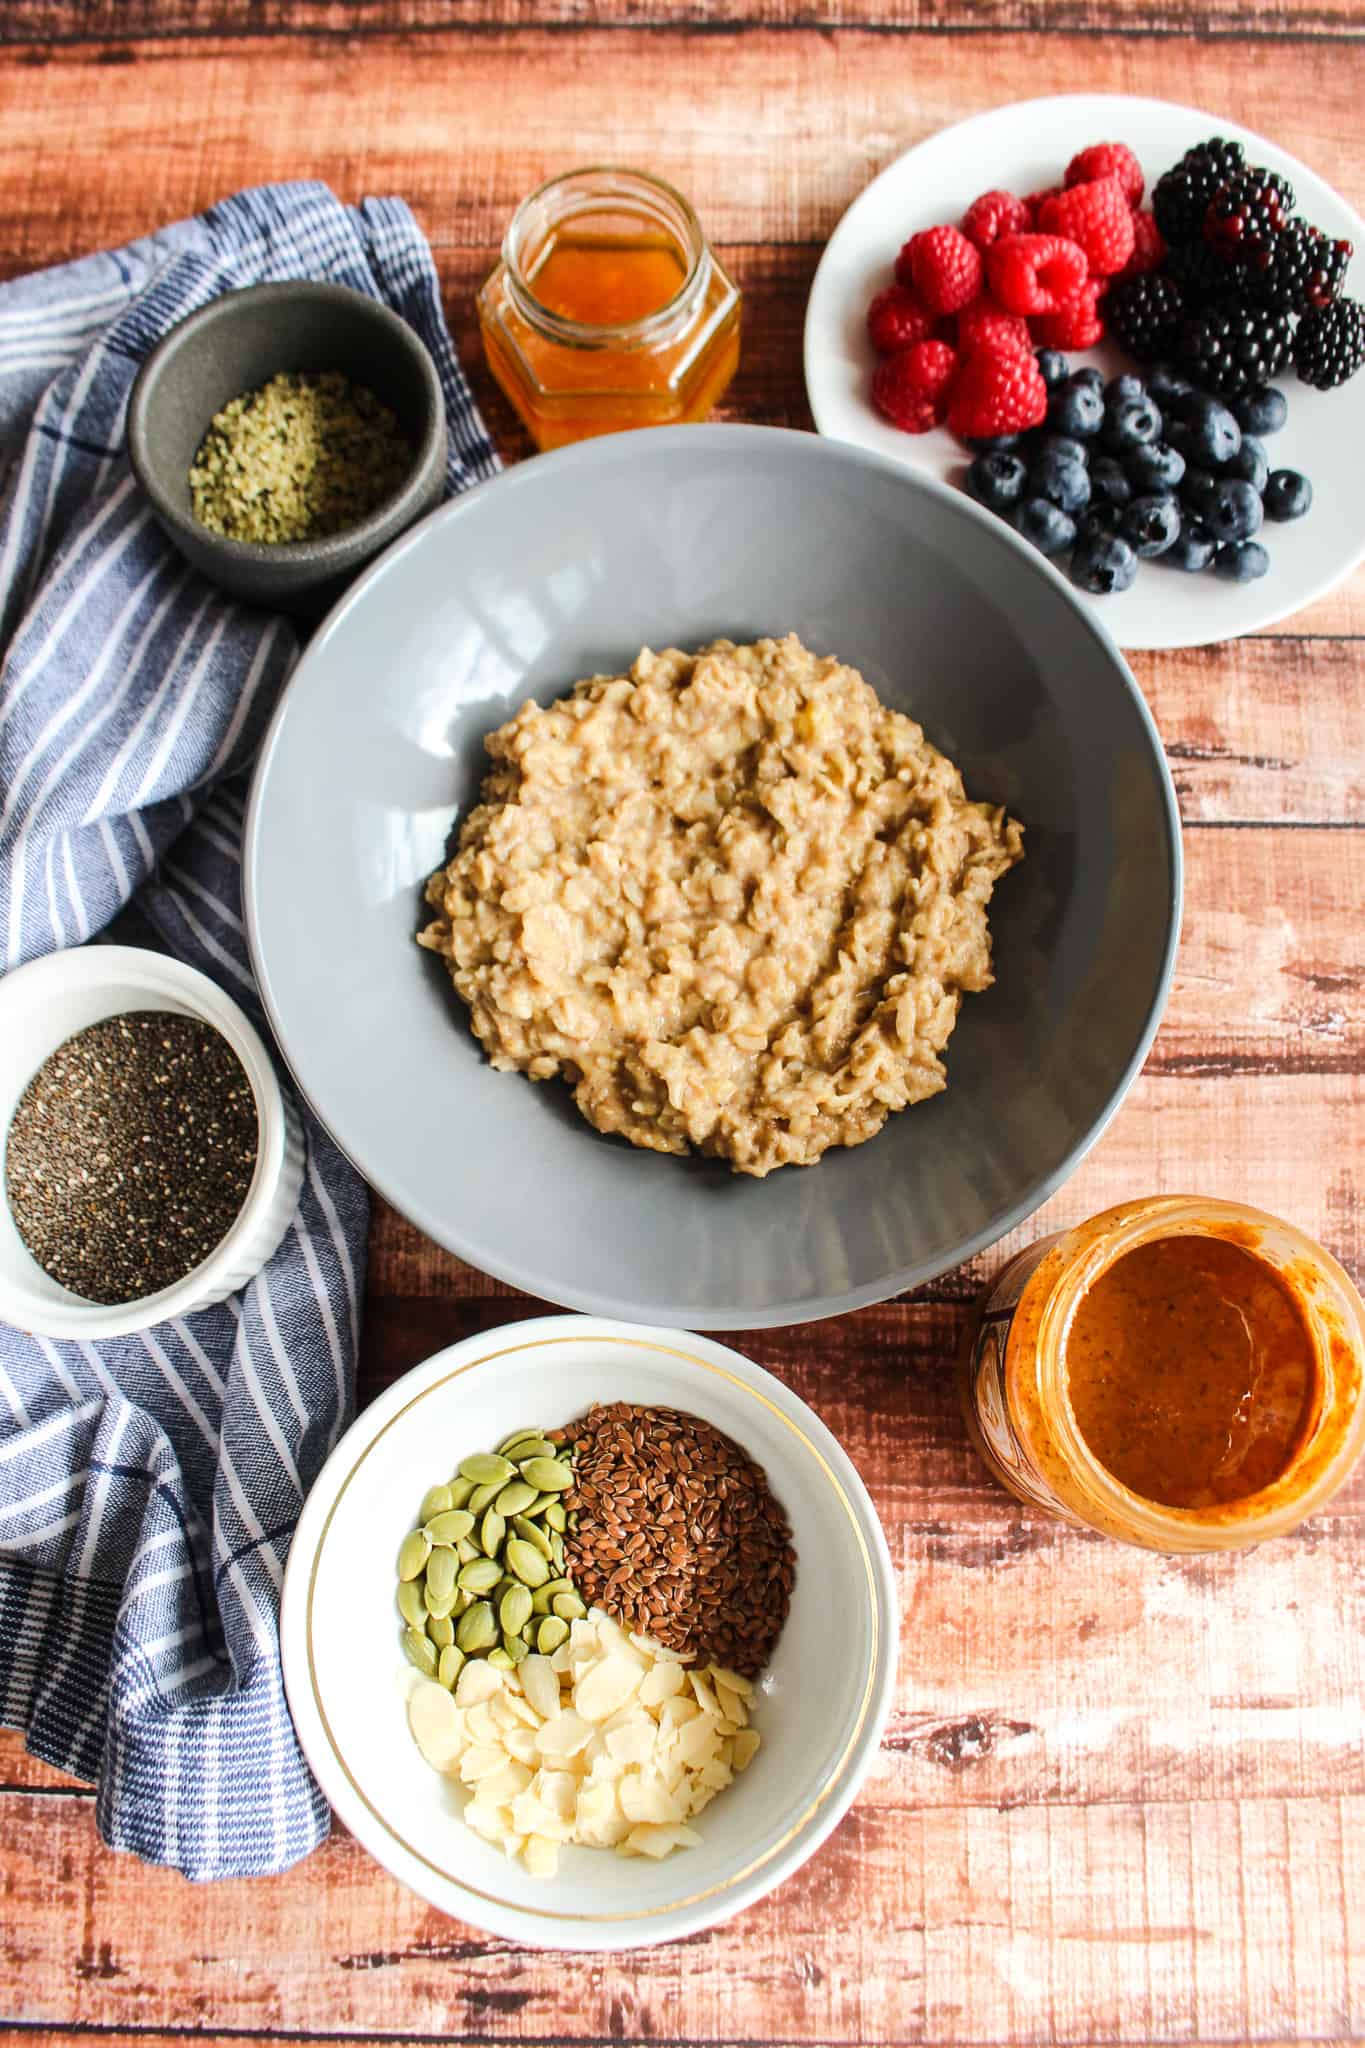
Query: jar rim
x,y
649,327
1271,1508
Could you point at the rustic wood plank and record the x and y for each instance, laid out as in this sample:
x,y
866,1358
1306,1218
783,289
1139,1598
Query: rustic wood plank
x,y
771,134
118,21
1139,1923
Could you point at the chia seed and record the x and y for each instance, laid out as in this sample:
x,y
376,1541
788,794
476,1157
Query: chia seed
x,y
130,1154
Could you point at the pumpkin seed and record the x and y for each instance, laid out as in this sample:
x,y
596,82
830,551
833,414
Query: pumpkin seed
x,y
484,1496
532,1533
412,1603
478,1576
555,1516
442,1567
568,1606
552,1632
413,1553
419,1651
435,1501
514,1609
532,1447
441,1629
516,1649
492,1529
467,1550
557,1549
549,1475
526,1561
477,1629
540,1600
515,1498
449,1665
553,1586
538,1503
483,1467
464,1600
447,1528
500,1659
460,1490
446,1603
519,1436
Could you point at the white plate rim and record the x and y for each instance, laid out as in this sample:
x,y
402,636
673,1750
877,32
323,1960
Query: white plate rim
x,y
1100,110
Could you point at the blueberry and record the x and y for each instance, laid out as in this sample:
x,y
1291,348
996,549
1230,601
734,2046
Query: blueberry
x,y
1241,561
1287,494
1049,528
1063,479
989,444
1120,388
1053,366
1066,446
997,480
1109,481
1157,467
1166,384
1193,548
1262,411
1089,375
1215,435
1097,520
1249,463
1150,525
1076,407
1132,423
1197,487
1232,510
1103,563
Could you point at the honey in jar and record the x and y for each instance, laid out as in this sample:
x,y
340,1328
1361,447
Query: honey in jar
x,y
1181,1374
608,309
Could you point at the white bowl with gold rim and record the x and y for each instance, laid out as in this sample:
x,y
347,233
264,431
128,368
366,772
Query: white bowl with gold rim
x,y
822,1701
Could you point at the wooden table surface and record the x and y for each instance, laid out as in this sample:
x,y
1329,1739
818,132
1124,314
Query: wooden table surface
x,y
1120,1798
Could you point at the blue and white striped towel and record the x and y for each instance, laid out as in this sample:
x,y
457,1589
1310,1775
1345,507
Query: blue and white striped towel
x,y
149,1487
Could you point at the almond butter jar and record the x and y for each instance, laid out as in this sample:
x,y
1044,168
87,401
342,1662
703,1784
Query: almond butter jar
x,y
609,309
1178,1373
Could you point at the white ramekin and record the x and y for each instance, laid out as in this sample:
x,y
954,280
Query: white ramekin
x,y
47,1002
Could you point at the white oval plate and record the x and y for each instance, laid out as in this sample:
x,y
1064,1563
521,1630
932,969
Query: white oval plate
x,y
824,1696
1025,147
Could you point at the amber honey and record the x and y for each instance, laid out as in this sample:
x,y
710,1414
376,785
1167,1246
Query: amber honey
x,y
608,310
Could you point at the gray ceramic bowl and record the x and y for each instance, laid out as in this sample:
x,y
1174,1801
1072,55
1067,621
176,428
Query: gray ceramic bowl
x,y
238,343
568,565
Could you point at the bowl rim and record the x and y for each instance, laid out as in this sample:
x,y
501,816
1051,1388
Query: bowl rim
x,y
385,520
548,1927
819,450
158,975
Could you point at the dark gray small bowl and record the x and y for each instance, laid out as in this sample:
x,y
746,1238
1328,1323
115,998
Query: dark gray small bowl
x,y
237,344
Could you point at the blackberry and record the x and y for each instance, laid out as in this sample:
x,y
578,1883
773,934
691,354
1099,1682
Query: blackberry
x,y
1232,349
1246,216
1330,344
1202,274
1302,268
1145,314
1180,198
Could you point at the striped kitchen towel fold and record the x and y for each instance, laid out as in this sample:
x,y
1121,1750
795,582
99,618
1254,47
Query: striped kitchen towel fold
x,y
149,1486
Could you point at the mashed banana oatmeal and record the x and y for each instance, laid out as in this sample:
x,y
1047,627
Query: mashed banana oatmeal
x,y
729,897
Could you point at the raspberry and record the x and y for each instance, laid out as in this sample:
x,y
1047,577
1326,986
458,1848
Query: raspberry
x,y
1077,324
1037,199
997,394
995,214
1149,247
1096,216
911,389
945,268
985,325
896,320
1108,160
1035,273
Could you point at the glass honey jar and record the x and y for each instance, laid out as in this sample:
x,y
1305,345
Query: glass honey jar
x,y
608,309
1179,1373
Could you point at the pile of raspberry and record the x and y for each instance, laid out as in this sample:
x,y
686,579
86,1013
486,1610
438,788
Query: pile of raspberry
x,y
958,330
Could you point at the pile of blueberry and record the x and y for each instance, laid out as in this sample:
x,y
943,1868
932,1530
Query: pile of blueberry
x,y
1141,468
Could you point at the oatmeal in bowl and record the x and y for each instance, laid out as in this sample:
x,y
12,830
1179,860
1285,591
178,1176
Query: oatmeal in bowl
x,y
730,897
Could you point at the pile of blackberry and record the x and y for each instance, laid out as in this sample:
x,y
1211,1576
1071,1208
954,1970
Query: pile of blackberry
x,y
1248,286
1142,468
